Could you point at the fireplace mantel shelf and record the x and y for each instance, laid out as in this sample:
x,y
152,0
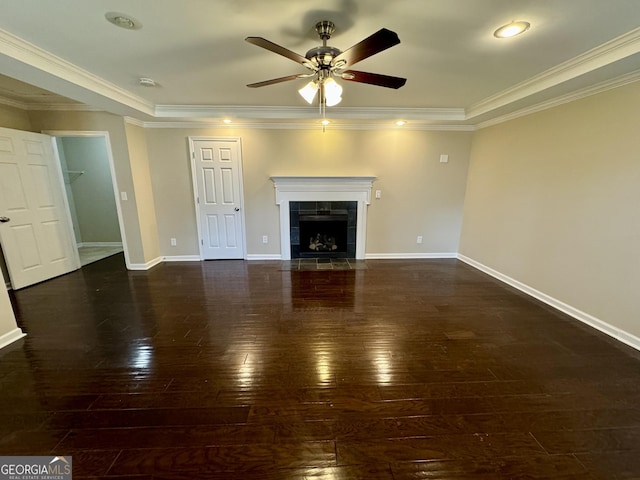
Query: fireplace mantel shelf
x,y
319,179
322,188
319,189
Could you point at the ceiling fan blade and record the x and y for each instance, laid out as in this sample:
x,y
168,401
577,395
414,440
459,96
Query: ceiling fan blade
x,y
275,48
373,79
376,43
276,80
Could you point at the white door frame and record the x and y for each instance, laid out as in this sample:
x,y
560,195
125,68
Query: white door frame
x,y
194,181
114,180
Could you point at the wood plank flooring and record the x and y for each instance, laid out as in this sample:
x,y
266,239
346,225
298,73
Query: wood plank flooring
x,y
412,369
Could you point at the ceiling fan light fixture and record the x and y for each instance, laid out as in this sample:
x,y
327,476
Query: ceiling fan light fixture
x,y
511,29
308,92
332,92
333,101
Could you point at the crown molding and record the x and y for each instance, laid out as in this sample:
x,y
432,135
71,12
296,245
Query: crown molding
x,y
254,112
298,126
59,107
63,107
563,99
134,121
600,56
66,107
13,103
27,53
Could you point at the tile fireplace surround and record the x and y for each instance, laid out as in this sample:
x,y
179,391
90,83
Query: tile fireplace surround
x,y
323,189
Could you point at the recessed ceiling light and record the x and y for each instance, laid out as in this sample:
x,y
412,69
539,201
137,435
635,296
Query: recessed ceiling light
x,y
325,122
400,123
511,29
123,21
147,82
227,121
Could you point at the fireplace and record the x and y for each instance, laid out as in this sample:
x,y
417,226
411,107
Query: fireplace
x,y
323,229
341,196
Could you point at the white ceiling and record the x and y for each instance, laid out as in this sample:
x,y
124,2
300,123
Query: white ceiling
x,y
458,73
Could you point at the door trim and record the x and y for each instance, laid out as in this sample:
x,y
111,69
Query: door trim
x,y
114,179
194,183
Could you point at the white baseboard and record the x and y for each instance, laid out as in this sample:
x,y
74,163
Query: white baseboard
x,y
10,337
100,244
182,258
266,256
145,266
615,332
402,256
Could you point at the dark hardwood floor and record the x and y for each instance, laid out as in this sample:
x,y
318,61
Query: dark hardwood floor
x,y
413,369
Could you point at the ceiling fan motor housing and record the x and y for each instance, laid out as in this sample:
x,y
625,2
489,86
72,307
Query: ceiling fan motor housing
x,y
323,55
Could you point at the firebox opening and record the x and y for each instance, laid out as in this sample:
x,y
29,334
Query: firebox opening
x,y
323,234
323,229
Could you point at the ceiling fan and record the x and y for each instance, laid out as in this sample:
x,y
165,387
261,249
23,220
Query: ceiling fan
x,y
326,62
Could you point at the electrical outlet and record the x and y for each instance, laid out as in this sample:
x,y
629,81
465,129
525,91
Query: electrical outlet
x,y
419,239
265,239
173,242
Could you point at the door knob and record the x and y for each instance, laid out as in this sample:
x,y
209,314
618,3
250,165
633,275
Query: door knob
x,y
4,219
237,209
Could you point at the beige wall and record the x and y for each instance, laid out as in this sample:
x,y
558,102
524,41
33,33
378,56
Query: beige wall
x,y
420,195
139,159
15,118
553,201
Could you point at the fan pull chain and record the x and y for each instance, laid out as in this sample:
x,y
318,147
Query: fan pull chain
x,y
322,103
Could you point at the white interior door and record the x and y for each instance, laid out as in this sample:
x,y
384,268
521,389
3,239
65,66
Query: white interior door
x,y
35,232
217,170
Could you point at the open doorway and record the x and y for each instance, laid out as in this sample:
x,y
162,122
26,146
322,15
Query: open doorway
x,y
87,170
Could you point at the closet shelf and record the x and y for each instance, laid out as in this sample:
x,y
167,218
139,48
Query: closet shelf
x,y
73,175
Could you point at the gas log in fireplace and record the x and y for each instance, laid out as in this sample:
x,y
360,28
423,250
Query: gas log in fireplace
x,y
323,229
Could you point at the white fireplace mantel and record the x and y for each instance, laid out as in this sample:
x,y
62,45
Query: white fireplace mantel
x,y
322,189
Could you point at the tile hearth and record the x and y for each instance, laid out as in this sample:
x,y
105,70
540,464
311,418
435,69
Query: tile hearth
x,y
323,264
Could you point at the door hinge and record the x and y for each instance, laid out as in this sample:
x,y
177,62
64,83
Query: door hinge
x,y
198,200
202,242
